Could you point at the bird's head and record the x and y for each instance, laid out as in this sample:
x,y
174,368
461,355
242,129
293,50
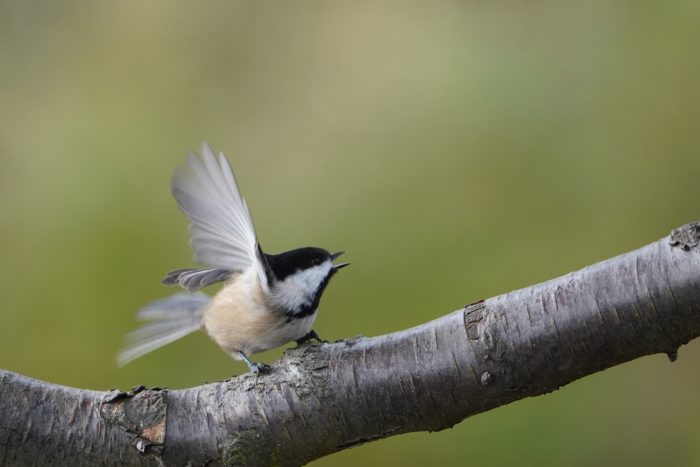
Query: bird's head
x,y
297,278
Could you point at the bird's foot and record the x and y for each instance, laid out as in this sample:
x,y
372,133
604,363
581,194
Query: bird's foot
x,y
259,368
255,367
311,335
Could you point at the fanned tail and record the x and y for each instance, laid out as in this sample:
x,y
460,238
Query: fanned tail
x,y
168,319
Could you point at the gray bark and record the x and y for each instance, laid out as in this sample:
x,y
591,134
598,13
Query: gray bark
x,y
323,398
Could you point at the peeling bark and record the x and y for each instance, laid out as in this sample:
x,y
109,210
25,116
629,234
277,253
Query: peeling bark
x,y
324,398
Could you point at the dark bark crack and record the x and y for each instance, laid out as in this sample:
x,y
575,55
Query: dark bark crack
x,y
141,413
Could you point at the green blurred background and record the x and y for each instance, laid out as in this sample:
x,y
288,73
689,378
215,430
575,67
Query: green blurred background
x,y
456,150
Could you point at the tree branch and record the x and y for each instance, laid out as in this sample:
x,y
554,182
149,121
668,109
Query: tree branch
x,y
323,398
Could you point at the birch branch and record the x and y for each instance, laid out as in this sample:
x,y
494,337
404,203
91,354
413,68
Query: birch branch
x,y
327,397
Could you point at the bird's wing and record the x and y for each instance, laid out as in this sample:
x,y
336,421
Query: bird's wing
x,y
194,279
221,229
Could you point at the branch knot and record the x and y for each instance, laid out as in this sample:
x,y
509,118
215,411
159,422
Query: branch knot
x,y
686,236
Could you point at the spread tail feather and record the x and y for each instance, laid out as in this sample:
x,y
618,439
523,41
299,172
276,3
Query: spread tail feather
x,y
168,319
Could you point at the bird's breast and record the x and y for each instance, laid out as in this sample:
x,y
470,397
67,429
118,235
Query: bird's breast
x,y
240,318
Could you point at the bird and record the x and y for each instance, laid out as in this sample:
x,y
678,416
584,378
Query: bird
x,y
267,300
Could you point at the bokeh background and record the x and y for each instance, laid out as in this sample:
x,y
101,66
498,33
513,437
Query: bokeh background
x,y
456,150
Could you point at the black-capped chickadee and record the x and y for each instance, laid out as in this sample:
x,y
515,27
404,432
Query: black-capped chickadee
x,y
267,301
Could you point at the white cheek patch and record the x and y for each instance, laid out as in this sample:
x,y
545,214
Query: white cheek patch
x,y
297,290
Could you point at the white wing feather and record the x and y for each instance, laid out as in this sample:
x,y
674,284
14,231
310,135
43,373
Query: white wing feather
x,y
221,229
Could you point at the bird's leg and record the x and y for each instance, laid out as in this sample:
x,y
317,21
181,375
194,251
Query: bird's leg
x,y
311,335
255,367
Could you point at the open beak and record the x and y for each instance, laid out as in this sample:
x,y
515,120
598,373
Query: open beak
x,y
341,265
